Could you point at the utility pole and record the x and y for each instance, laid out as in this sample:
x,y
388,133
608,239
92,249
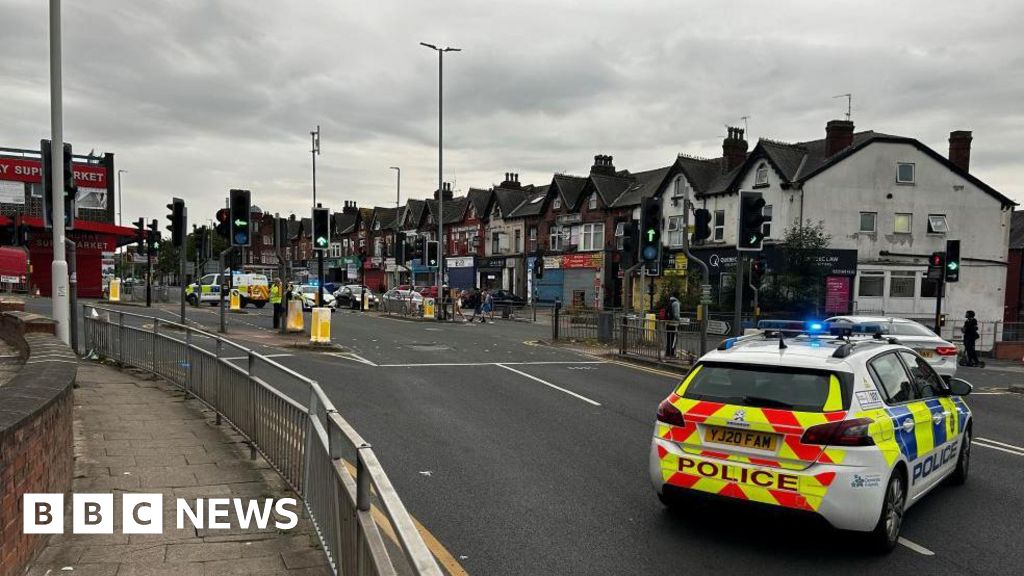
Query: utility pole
x,y
59,268
398,188
438,279
315,136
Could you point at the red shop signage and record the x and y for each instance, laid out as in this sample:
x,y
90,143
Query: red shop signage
x,y
31,171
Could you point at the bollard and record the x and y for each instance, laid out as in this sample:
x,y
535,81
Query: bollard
x,y
114,290
320,325
236,301
296,322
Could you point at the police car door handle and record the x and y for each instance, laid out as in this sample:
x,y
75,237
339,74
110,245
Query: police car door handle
x,y
908,424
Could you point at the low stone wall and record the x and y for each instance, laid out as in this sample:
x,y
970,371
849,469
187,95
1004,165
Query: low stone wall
x,y
1009,351
36,451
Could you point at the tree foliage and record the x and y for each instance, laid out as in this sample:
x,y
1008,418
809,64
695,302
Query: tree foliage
x,y
797,289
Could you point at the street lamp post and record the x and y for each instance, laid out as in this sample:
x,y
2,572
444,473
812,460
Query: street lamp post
x,y
59,268
398,209
120,204
440,168
315,136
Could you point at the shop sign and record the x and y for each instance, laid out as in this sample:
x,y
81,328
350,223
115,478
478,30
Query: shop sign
x,y
459,262
837,294
584,260
31,171
564,219
675,264
498,262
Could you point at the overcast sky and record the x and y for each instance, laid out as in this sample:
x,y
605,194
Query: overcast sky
x,y
195,97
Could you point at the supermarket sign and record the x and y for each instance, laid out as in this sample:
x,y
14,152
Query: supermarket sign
x,y
31,171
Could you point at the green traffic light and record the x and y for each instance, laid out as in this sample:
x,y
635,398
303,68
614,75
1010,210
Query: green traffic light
x,y
650,234
952,265
241,223
321,241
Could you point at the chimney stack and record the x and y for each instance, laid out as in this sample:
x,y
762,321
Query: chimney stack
x,y
960,149
511,180
838,136
603,165
734,149
349,207
445,192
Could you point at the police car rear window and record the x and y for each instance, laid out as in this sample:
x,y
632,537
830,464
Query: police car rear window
x,y
783,388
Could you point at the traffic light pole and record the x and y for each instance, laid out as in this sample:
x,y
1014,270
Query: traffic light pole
x,y
938,303
149,274
702,312
738,284
183,260
223,271
73,294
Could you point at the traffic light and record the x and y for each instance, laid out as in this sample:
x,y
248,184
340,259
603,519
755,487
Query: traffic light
x,y
750,231
199,234
757,270
650,230
321,228
223,226
432,258
177,218
628,244
416,249
153,241
936,266
140,236
701,224
952,261
70,190
399,249
239,219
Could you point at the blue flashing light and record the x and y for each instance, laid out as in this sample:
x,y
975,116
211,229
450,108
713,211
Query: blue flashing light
x,y
815,326
729,342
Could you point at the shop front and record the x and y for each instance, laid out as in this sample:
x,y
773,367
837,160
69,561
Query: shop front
x,y
461,272
574,279
490,272
837,268
374,276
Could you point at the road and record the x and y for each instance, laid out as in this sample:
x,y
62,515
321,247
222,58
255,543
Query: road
x,y
526,459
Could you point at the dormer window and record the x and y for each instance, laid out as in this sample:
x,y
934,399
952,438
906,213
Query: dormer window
x,y
761,176
592,203
557,203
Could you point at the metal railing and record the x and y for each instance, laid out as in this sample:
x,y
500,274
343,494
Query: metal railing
x,y
311,447
650,338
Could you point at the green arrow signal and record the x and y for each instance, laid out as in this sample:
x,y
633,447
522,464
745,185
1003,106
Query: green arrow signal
x,y
952,265
241,223
753,239
321,241
650,234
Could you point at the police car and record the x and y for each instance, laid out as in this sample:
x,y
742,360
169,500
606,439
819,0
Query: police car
x,y
855,429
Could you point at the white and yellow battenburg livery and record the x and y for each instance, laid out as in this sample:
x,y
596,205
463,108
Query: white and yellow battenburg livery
x,y
853,429
252,289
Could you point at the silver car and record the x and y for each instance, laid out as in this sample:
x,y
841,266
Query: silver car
x,y
941,354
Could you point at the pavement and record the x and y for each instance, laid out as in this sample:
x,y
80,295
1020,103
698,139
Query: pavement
x,y
522,458
134,433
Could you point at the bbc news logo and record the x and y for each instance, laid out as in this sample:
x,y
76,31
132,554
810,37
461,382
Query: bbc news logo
x,y
144,513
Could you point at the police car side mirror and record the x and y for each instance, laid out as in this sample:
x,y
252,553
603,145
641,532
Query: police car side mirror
x,y
960,387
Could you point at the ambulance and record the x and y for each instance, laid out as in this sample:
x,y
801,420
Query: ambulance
x,y
853,429
252,288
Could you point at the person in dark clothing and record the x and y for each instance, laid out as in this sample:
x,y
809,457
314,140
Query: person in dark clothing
x,y
674,315
971,335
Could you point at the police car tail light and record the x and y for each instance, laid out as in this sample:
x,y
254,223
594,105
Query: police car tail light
x,y
843,433
946,350
669,414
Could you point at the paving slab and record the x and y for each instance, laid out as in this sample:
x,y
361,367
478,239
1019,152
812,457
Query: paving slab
x,y
136,434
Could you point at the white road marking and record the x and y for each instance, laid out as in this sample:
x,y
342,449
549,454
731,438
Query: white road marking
x,y
352,356
538,363
991,441
549,385
983,444
916,547
988,393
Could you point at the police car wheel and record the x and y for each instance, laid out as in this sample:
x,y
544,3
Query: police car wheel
x,y
890,521
668,501
963,463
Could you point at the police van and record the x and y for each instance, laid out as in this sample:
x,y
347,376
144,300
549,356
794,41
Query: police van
x,y
855,429
252,288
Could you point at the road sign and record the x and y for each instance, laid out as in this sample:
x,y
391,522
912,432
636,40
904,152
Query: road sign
x,y
718,327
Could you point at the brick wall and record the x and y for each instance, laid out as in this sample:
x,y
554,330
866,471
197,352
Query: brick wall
x,y
36,450
34,457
